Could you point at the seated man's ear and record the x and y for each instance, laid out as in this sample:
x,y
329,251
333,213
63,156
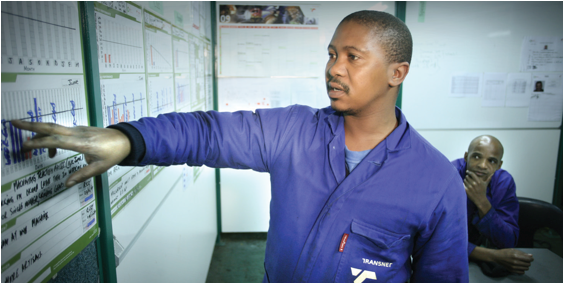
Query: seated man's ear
x,y
465,156
398,72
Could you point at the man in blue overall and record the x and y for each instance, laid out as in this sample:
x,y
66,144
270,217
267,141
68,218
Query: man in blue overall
x,y
492,205
357,194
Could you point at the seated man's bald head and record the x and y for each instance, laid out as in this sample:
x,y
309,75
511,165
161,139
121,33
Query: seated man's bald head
x,y
487,140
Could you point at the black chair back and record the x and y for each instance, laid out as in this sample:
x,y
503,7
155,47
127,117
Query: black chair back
x,y
535,214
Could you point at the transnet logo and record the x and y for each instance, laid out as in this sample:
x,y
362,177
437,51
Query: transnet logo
x,y
363,275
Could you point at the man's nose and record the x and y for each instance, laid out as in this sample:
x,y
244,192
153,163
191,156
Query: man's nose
x,y
482,164
336,68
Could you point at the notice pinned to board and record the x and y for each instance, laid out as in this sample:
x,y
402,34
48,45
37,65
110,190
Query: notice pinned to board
x,y
542,54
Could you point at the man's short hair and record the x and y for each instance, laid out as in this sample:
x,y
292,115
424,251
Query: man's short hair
x,y
394,36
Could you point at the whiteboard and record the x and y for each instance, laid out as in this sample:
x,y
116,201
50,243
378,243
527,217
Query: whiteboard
x,y
473,37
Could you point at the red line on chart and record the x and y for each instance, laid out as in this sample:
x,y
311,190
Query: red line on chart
x,y
162,57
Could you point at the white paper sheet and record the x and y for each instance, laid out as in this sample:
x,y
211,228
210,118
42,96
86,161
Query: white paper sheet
x,y
465,84
517,90
545,107
546,102
494,89
540,54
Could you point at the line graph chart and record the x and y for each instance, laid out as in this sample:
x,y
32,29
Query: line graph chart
x,y
181,49
158,46
55,99
120,41
182,83
123,98
41,37
198,74
160,94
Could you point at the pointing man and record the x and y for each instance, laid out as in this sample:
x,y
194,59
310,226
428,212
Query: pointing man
x,y
356,191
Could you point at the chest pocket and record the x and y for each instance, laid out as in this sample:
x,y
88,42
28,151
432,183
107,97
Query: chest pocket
x,y
373,253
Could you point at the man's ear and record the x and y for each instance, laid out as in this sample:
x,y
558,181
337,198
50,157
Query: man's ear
x,y
465,157
398,72
499,164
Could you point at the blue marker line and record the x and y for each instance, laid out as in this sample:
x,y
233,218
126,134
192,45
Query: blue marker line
x,y
21,144
91,222
16,157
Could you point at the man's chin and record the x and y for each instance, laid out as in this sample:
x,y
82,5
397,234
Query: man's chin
x,y
342,110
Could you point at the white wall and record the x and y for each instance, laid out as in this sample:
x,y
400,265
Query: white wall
x,y
177,243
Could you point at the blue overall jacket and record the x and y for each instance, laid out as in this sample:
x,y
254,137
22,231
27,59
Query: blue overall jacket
x,y
403,199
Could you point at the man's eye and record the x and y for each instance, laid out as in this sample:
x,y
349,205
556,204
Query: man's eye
x,y
331,55
354,57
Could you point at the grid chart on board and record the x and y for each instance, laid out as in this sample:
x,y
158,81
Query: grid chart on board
x,y
120,44
198,75
158,51
123,99
158,45
62,106
181,50
160,95
41,37
182,82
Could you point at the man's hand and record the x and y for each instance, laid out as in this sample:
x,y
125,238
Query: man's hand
x,y
102,148
476,190
514,260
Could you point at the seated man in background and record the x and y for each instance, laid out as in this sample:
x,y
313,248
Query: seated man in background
x,y
492,206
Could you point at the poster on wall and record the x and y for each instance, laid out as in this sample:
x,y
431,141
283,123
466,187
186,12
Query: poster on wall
x,y
256,40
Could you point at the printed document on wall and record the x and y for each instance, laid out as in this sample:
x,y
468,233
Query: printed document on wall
x,y
494,89
518,89
465,84
541,54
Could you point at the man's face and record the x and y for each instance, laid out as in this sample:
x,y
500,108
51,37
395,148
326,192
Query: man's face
x,y
357,71
484,158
